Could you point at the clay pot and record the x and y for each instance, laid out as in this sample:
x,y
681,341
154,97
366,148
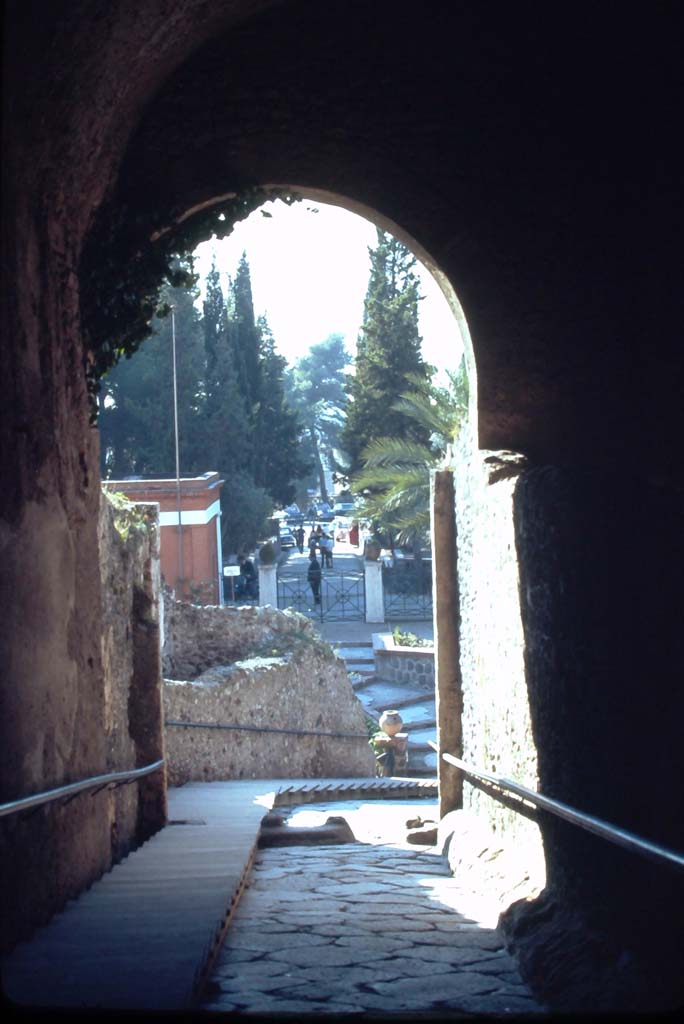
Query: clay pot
x,y
391,722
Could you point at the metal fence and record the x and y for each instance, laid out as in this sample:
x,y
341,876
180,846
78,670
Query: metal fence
x,y
407,586
342,595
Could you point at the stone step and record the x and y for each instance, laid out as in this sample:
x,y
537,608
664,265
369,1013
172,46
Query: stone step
x,y
365,681
419,747
408,702
420,726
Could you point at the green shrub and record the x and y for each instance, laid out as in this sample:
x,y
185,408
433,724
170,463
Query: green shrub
x,y
409,639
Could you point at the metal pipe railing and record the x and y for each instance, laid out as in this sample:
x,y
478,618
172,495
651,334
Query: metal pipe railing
x,y
72,789
613,833
268,728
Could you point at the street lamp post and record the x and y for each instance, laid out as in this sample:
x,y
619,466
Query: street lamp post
x,y
175,428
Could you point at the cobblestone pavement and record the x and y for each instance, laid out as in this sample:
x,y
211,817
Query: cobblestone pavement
x,y
374,927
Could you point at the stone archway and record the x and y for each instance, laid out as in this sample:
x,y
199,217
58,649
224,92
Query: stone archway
x,y
508,153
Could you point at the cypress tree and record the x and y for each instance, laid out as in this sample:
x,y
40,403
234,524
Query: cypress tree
x,y
279,457
388,353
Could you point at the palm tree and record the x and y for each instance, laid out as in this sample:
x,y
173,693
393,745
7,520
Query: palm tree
x,y
395,480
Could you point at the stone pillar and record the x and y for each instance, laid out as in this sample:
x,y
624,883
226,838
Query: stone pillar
x,y
375,598
445,603
268,585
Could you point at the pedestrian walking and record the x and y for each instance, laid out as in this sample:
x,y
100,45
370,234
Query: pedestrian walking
x,y
300,539
313,575
327,544
247,580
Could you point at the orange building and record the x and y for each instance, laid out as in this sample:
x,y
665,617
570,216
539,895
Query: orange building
x,y
191,557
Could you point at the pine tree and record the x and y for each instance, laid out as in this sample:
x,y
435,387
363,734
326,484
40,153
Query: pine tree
x,y
279,458
245,338
136,421
388,353
226,433
315,387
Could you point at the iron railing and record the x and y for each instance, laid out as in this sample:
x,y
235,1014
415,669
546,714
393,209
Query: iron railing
x,y
407,589
231,727
613,833
72,789
342,595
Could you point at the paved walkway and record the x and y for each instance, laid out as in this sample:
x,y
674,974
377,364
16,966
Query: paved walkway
x,y
141,937
368,927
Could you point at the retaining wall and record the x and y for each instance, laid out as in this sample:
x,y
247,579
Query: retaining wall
x,y
414,666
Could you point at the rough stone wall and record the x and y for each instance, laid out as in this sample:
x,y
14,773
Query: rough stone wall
x,y
51,855
604,665
130,573
568,660
198,637
269,670
497,729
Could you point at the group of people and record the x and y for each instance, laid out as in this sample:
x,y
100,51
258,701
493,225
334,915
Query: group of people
x,y
324,542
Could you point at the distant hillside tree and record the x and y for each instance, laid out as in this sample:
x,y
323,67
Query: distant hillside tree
x,y
315,386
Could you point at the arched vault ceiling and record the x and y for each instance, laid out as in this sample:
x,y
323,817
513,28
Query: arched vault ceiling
x,y
506,151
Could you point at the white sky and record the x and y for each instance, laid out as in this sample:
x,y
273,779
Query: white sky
x,y
309,274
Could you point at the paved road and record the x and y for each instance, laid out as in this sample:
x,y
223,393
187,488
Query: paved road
x,y
363,927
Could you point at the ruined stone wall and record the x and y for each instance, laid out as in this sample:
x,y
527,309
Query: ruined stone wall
x,y
497,731
131,579
198,637
269,671
49,856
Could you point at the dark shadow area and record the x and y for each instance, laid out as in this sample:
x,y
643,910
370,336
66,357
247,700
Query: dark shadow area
x,y
600,556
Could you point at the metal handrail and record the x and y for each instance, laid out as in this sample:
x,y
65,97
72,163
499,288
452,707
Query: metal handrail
x,y
613,833
72,789
268,728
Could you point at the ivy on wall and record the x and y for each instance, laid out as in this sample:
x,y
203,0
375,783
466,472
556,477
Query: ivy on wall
x,y
127,259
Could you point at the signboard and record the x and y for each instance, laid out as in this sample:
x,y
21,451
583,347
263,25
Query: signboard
x,y
231,570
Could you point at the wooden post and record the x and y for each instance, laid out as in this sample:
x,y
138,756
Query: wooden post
x,y
446,619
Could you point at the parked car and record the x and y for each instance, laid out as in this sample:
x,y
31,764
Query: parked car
x,y
287,537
